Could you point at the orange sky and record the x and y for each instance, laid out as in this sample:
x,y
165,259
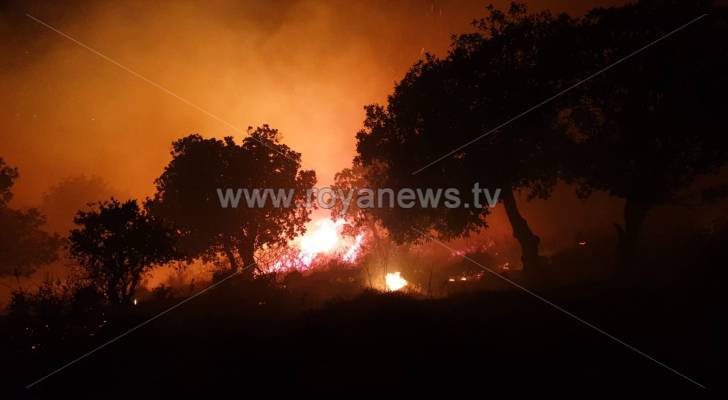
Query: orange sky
x,y
304,67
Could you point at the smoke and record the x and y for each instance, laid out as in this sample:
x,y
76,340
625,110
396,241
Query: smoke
x,y
304,67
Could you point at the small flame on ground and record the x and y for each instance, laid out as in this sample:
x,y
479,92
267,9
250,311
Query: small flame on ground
x,y
394,281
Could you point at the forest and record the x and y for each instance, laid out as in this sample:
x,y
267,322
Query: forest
x,y
589,261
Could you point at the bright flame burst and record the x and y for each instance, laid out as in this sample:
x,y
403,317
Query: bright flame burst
x,y
323,237
394,281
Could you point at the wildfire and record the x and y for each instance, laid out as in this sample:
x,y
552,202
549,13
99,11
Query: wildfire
x,y
323,238
353,251
394,281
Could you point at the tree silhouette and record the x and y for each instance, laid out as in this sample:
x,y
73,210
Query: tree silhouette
x,y
116,243
24,246
513,62
647,128
187,195
8,175
351,180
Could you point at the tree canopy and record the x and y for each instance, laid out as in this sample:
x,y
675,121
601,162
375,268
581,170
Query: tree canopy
x,y
514,61
8,175
492,112
24,245
187,195
116,243
648,127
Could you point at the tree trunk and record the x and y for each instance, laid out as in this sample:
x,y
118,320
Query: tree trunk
x,y
522,232
112,289
130,289
230,256
635,214
246,252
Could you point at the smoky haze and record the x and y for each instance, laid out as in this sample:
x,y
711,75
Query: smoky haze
x,y
304,67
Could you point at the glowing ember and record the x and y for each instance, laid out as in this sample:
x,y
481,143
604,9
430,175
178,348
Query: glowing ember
x,y
394,281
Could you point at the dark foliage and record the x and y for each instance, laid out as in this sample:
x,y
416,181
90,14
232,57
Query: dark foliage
x,y
8,175
116,243
513,62
24,246
187,195
648,127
